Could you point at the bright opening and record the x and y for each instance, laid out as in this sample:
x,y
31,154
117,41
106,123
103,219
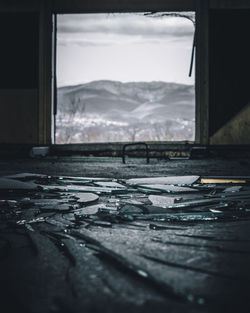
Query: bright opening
x,y
125,77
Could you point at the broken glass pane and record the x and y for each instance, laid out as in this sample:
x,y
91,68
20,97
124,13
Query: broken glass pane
x,y
169,188
168,180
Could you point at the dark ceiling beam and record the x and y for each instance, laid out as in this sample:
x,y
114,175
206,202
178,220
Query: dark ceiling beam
x,y
97,6
229,4
19,6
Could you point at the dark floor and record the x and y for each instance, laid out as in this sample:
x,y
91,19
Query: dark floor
x,y
113,167
58,257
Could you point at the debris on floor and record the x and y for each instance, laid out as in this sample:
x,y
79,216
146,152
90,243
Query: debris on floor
x,y
83,211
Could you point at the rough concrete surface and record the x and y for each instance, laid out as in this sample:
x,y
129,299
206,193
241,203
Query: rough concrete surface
x,y
112,249
113,167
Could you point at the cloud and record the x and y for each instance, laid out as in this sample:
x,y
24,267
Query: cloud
x,y
96,29
82,42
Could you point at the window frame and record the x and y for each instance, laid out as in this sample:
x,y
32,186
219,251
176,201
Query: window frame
x,y
201,9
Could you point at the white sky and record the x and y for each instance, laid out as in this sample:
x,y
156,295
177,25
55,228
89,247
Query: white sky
x,y
123,47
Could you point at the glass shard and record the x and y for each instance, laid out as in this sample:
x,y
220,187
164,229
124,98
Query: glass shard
x,y
168,180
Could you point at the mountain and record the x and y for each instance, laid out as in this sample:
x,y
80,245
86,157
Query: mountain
x,y
142,99
133,104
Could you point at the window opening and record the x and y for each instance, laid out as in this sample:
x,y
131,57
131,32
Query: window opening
x,y
125,77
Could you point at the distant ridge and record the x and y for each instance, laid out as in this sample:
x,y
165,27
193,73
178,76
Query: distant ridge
x,y
105,96
127,105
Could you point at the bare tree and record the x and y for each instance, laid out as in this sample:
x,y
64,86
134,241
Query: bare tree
x,y
76,106
132,131
188,15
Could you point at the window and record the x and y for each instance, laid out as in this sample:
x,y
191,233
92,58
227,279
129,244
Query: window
x,y
124,77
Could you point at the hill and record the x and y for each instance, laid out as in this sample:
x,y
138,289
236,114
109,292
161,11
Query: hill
x,y
112,106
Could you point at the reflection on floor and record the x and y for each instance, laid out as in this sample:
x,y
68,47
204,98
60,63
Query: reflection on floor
x,y
91,244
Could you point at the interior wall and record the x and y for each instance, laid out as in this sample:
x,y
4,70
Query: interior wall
x,y
25,65
229,65
236,131
19,77
18,116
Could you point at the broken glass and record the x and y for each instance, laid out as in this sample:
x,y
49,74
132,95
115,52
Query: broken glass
x,y
110,184
56,210
169,188
162,201
86,197
12,184
168,180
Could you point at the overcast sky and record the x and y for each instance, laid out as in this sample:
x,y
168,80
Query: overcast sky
x,y
123,47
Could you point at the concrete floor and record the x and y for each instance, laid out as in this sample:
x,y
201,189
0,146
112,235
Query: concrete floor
x,y
113,167
47,266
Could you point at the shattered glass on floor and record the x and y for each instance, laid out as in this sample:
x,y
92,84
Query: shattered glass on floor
x,y
156,230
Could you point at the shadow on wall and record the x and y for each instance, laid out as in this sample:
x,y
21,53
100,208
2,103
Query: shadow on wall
x,y
236,131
